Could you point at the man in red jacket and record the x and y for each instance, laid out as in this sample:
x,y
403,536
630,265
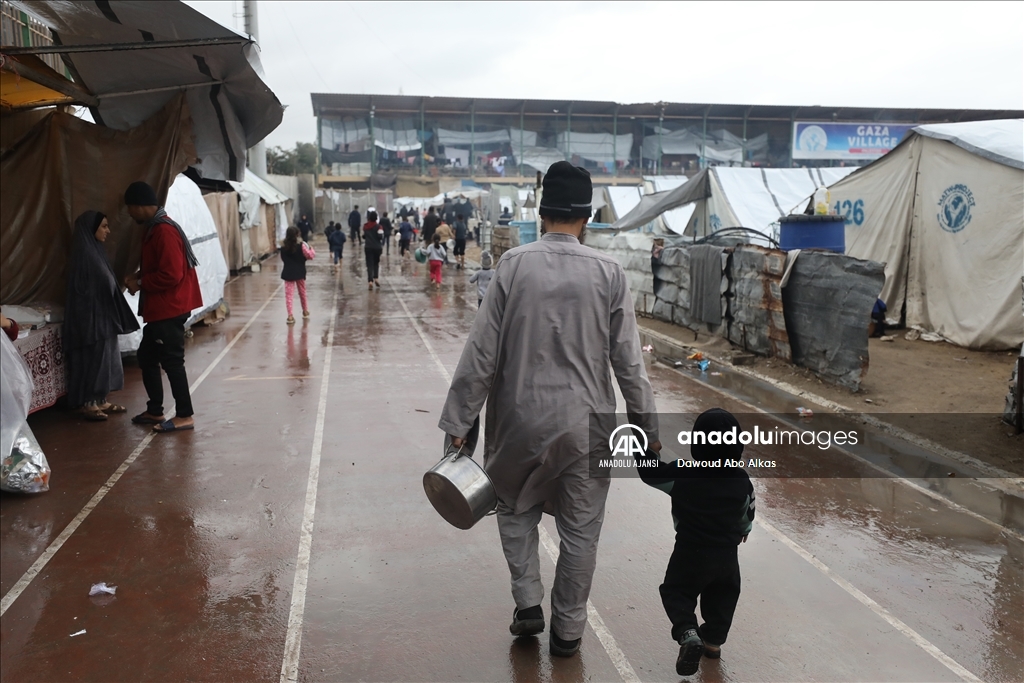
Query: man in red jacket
x,y
169,293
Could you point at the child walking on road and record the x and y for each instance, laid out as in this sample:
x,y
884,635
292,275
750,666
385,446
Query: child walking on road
x,y
436,256
336,240
713,510
294,254
482,277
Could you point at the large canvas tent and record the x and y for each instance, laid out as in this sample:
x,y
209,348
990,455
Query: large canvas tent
x,y
264,216
943,211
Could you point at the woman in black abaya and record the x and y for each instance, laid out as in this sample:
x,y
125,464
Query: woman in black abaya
x,y
95,313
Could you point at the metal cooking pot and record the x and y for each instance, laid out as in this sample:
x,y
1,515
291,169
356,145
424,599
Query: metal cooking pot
x,y
458,487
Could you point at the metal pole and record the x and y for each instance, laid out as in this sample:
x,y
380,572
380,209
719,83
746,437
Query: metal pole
x,y
568,135
661,122
522,116
745,114
423,138
704,142
373,143
258,152
319,159
615,141
472,137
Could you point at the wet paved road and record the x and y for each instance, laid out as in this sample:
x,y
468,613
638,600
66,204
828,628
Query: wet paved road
x,y
843,579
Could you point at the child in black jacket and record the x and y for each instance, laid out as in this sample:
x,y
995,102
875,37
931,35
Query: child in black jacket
x,y
713,511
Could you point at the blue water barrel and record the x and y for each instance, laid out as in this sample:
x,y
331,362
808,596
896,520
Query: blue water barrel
x,y
527,231
813,232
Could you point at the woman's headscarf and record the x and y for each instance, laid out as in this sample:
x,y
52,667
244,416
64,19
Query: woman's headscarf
x,y
95,308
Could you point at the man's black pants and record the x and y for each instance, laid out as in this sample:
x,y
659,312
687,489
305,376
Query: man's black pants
x,y
372,264
163,346
713,573
355,234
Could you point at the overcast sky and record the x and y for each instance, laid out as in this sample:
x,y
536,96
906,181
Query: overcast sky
x,y
955,55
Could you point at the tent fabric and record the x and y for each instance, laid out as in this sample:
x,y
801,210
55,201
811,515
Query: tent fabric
x,y
1001,141
541,158
736,197
464,138
223,207
948,225
63,166
232,114
623,199
720,145
599,147
335,134
697,187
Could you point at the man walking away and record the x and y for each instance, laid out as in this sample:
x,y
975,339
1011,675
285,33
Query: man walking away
x,y
169,292
385,223
405,233
461,232
430,223
305,227
355,222
558,320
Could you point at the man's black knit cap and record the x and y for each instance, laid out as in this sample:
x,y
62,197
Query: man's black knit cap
x,y
140,193
568,192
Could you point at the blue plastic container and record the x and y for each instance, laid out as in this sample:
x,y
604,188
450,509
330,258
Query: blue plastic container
x,y
527,231
813,232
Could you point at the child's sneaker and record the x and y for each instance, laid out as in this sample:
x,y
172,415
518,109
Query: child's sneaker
x,y
290,320
691,647
305,314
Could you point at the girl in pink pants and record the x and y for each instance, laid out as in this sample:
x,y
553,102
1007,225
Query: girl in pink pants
x,y
294,254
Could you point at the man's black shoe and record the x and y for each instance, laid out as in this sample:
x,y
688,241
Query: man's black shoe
x,y
527,622
564,648
691,647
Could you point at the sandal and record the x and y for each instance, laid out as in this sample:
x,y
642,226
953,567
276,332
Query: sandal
x,y
113,408
147,419
94,415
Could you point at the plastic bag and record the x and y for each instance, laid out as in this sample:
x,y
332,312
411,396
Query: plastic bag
x,y
308,252
23,468
15,393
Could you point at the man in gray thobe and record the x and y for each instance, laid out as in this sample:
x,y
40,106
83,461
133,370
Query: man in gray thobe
x,y
555,322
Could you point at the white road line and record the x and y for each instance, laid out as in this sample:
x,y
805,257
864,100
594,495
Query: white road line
x,y
910,633
293,639
57,543
615,653
617,656
423,337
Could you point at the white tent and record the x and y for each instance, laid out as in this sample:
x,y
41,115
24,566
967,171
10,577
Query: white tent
x,y
728,197
186,206
256,197
943,211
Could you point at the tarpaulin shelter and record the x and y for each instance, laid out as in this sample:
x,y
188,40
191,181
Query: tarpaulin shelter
x,y
943,211
264,213
131,58
186,206
727,197
62,166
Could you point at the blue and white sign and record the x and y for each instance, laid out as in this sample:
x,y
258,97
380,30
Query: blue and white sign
x,y
827,140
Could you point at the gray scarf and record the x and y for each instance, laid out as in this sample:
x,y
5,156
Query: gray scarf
x,y
161,217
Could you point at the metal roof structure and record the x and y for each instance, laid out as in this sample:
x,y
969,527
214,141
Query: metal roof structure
x,y
343,104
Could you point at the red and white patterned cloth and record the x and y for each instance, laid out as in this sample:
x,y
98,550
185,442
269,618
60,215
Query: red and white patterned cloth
x,y
44,353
